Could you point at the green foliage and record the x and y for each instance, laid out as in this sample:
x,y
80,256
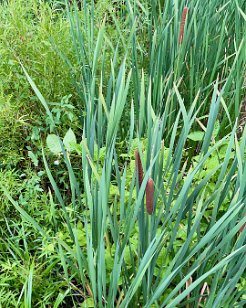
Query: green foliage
x,y
75,230
69,141
26,29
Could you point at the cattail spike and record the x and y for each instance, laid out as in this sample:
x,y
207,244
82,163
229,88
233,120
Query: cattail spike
x,y
150,196
182,25
139,168
243,226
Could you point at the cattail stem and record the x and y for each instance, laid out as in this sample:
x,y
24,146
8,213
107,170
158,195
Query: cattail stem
x,y
204,288
139,168
187,284
150,196
182,25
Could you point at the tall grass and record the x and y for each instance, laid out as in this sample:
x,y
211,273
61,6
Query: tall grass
x,y
191,237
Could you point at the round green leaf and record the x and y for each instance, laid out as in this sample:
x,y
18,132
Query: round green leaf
x,y
53,144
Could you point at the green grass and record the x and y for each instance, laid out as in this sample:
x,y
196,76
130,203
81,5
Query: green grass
x,y
26,29
75,230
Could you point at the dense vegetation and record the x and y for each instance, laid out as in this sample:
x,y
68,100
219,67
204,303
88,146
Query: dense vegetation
x,y
122,153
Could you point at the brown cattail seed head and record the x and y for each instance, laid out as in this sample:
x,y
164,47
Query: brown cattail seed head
x,y
150,196
139,168
182,25
243,226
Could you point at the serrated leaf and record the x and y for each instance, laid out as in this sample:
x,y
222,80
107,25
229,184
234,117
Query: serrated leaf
x,y
53,144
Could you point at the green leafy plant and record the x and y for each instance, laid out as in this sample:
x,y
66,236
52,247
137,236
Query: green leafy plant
x,y
110,225
154,215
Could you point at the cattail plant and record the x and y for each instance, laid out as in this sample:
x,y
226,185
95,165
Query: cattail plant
x,y
182,25
150,196
121,251
139,167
